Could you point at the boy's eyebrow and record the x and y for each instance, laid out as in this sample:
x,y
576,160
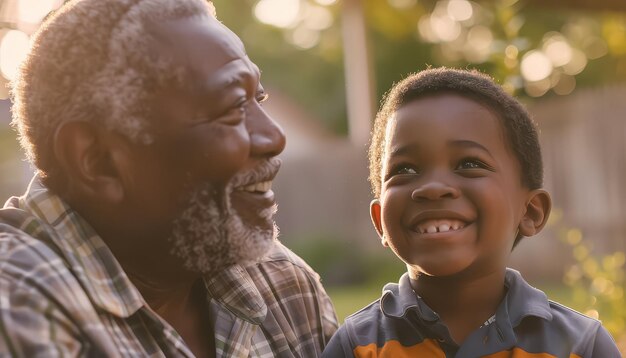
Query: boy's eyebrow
x,y
414,147
403,149
468,144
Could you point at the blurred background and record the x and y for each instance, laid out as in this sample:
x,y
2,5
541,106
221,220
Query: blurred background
x,y
327,64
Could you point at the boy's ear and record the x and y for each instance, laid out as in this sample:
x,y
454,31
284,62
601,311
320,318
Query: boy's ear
x,y
375,214
537,212
86,156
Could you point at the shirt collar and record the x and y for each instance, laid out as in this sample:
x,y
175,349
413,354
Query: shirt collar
x,y
91,261
521,300
103,278
233,288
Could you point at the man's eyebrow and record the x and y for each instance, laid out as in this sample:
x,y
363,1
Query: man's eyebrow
x,y
217,85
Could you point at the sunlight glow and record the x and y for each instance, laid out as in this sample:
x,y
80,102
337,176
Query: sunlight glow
x,y
558,51
33,11
537,89
279,13
304,38
480,37
460,10
477,47
595,47
402,4
444,27
425,30
577,63
535,66
317,18
325,2
566,85
13,49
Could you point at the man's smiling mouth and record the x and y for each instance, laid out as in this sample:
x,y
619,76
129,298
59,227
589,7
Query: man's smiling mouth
x,y
439,225
258,188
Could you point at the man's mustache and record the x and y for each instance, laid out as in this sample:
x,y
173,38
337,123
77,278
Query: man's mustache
x,y
265,171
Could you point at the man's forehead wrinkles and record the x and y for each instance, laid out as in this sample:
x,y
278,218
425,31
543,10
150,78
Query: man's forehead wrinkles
x,y
232,74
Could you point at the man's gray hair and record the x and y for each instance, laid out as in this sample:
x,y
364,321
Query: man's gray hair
x,y
92,61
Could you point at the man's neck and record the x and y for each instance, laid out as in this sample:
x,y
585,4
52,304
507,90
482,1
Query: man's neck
x,y
184,306
161,293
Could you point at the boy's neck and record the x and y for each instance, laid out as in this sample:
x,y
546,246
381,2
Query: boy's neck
x,y
463,304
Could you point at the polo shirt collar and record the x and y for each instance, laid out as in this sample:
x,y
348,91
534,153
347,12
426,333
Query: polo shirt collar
x,y
521,300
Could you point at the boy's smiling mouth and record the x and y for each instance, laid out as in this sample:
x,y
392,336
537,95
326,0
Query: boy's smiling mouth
x,y
439,225
438,221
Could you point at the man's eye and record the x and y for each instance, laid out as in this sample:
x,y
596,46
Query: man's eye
x,y
262,97
235,115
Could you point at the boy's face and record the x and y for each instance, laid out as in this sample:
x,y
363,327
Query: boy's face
x,y
452,199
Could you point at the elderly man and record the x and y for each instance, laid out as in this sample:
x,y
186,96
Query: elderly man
x,y
148,229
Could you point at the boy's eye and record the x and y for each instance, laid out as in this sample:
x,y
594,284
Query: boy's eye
x,y
402,169
406,170
471,163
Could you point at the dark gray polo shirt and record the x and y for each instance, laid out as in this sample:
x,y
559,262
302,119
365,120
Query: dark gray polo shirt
x,y
526,324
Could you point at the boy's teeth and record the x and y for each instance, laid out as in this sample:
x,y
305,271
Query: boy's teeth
x,y
433,226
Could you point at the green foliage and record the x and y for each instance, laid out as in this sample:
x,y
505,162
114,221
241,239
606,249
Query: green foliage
x,y
342,262
598,282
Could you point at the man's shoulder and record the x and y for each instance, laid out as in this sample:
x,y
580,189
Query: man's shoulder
x,y
26,261
22,251
280,255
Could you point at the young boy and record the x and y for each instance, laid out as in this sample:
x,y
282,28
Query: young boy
x,y
456,167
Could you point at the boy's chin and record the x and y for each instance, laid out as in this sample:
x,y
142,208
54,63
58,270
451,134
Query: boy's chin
x,y
438,269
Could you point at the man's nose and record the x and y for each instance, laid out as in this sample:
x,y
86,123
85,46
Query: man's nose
x,y
267,138
434,190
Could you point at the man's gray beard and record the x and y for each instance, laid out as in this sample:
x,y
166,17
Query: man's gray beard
x,y
209,235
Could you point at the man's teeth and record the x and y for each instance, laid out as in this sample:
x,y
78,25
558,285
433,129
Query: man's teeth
x,y
433,226
257,187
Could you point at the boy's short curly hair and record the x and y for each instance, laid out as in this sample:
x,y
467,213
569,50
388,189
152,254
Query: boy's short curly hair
x,y
519,128
92,60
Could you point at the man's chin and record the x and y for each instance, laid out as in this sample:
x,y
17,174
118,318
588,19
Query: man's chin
x,y
259,249
210,235
249,244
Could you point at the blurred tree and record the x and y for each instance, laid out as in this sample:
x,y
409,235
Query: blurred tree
x,y
532,47
532,50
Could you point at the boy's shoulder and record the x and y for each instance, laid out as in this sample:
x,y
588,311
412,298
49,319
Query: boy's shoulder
x,y
523,301
541,325
570,317
388,322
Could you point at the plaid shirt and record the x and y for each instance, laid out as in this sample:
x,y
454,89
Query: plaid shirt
x,y
63,293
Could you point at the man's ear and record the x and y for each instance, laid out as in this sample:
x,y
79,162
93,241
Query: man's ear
x,y
375,214
538,208
85,152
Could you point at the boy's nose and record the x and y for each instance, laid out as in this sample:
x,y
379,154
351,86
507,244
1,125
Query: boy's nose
x,y
434,190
